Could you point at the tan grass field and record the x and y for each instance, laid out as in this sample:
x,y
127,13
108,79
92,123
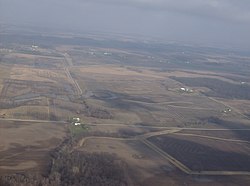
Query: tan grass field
x,y
26,145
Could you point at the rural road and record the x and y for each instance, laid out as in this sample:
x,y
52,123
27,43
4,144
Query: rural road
x,y
74,82
214,138
34,121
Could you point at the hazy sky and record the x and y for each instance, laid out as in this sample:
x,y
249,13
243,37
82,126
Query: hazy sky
x,y
225,22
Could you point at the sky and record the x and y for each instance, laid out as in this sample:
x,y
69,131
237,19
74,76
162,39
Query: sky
x,y
208,22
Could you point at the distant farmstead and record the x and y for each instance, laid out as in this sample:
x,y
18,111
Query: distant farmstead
x,y
186,89
76,121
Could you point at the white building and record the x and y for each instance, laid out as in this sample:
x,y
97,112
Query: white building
x,y
76,119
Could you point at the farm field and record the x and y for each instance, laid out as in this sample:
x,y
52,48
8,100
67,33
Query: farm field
x,y
134,113
26,145
201,154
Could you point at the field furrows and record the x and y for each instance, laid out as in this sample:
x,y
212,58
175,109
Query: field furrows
x,y
201,158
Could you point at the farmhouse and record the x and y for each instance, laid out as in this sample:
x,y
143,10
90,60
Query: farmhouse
x,y
186,89
183,89
76,119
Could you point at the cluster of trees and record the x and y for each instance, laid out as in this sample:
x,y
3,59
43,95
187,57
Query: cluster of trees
x,y
79,168
219,88
30,179
96,112
76,168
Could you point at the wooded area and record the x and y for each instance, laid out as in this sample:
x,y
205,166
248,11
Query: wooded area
x,y
75,168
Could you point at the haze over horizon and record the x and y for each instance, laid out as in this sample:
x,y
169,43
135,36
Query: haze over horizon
x,y
223,23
